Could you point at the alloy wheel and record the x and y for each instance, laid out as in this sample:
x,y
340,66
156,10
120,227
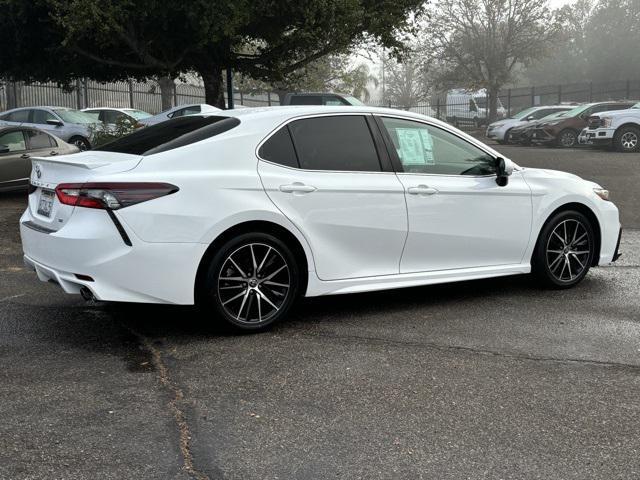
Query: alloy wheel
x,y
567,139
254,283
568,250
629,140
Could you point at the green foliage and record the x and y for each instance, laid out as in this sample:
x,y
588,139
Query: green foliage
x,y
263,39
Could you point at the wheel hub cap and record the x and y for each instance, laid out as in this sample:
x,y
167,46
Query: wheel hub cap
x,y
568,250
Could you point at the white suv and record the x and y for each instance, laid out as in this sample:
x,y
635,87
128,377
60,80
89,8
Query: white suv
x,y
618,128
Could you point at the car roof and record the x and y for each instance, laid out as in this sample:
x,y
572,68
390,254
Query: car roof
x,y
289,111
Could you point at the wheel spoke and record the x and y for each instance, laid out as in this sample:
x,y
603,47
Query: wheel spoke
x,y
566,237
578,260
236,297
581,252
237,267
575,242
557,235
266,255
232,287
569,267
244,300
266,299
259,299
276,284
232,279
253,260
555,262
275,273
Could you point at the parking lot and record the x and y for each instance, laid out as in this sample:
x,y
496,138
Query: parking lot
x,y
490,379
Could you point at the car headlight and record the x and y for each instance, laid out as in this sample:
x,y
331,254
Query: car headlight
x,y
605,122
602,193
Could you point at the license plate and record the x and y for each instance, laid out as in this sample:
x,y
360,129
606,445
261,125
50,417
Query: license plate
x,y
45,203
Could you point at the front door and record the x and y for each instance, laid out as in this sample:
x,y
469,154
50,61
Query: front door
x,y
15,165
458,216
325,175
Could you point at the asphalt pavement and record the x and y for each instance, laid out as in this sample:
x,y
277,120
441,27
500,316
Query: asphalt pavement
x,y
493,379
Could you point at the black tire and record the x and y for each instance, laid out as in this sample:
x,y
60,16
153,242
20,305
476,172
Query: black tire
x,y
627,139
567,138
561,265
80,142
246,264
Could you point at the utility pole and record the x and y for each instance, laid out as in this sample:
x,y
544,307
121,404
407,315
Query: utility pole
x,y
229,89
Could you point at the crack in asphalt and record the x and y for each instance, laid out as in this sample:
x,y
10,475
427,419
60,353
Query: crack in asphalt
x,y
474,350
176,399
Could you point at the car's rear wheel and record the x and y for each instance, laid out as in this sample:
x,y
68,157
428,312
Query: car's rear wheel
x,y
565,250
627,139
252,281
567,138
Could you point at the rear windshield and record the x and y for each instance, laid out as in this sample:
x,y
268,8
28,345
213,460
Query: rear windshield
x,y
171,134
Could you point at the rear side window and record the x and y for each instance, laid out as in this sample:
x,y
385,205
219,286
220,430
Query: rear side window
x,y
279,149
21,116
12,142
341,143
306,100
171,134
40,140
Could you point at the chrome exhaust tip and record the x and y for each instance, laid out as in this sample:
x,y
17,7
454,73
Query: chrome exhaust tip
x,y
87,294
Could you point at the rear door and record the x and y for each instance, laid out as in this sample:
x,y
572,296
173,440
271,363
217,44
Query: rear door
x,y
325,174
15,164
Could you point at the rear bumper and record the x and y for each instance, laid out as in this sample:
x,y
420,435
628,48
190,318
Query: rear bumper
x,y
90,245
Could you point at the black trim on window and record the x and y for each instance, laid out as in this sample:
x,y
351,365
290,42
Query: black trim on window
x,y
388,143
171,134
378,140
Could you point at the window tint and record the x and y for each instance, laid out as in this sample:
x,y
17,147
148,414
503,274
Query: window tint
x,y
426,149
341,143
333,100
40,140
170,134
41,116
94,113
19,116
113,116
14,141
279,149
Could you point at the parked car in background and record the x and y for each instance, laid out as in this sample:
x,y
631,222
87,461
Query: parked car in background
x,y
617,128
468,107
499,131
72,126
320,98
303,201
563,131
18,145
178,111
522,134
111,116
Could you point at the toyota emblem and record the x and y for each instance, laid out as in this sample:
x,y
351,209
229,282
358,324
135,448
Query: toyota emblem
x,y
38,172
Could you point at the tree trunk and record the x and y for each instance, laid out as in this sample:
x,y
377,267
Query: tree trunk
x,y
493,92
167,87
213,85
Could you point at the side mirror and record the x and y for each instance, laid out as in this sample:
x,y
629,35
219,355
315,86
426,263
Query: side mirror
x,y
57,123
504,168
530,118
4,149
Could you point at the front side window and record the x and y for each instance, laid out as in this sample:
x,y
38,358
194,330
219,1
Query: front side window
x,y
113,116
74,116
40,140
12,142
41,116
426,149
338,143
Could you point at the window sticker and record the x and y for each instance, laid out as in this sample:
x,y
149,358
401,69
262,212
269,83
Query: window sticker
x,y
416,146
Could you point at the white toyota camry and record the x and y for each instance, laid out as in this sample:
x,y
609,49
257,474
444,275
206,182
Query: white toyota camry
x,y
244,211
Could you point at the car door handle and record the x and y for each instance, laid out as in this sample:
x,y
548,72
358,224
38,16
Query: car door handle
x,y
422,190
53,152
25,155
297,187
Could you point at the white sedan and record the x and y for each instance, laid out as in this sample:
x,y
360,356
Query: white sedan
x,y
179,111
245,211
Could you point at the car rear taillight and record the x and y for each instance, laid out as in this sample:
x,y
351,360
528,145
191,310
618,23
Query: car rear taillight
x,y
111,196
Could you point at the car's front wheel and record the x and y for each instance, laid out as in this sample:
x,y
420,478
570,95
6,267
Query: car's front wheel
x,y
80,142
627,139
565,250
567,138
252,281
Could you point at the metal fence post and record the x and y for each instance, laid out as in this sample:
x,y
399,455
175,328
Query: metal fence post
x,y
628,90
533,96
242,98
130,93
438,108
509,102
85,87
591,91
78,94
559,94
175,94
